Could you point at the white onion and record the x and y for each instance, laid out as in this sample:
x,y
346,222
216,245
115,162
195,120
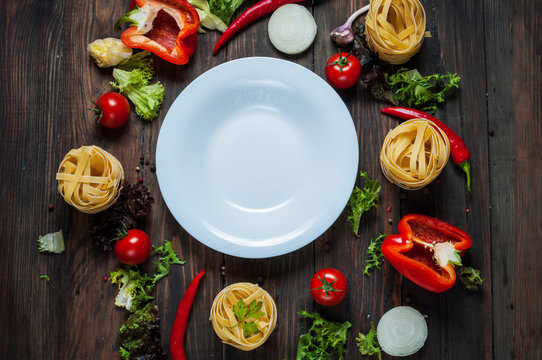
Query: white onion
x,y
401,331
291,29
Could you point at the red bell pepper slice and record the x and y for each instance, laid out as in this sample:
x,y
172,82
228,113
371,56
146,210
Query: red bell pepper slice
x,y
426,250
167,28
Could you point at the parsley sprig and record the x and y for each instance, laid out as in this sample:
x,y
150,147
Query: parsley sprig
x,y
243,313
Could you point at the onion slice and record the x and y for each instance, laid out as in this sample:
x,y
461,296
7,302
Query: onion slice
x,y
291,29
401,331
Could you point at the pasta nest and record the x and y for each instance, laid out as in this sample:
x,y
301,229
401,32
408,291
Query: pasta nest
x,y
395,29
224,320
414,154
90,179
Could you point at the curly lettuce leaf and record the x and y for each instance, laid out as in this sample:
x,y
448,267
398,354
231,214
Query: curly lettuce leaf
x,y
362,200
132,294
166,258
368,344
224,9
324,340
374,253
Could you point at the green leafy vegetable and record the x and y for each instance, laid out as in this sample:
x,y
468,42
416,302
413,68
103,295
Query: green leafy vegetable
x,y
132,79
124,354
45,277
324,340
207,19
167,257
243,313
368,344
140,335
52,242
374,251
362,200
224,9
413,90
470,278
132,284
140,60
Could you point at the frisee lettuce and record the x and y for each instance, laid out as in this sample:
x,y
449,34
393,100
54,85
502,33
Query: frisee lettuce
x,y
368,344
374,253
362,200
135,286
166,257
324,339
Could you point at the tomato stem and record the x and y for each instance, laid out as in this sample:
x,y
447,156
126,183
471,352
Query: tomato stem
x,y
342,62
326,285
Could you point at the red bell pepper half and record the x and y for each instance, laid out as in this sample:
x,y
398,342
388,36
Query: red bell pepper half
x,y
426,250
167,28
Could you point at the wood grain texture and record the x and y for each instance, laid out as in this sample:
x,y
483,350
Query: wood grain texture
x,y
49,82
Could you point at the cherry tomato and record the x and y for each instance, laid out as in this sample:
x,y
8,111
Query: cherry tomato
x,y
134,248
112,110
343,70
329,287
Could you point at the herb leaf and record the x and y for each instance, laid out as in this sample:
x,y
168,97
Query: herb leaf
x,y
470,278
250,328
167,257
242,313
413,90
368,344
374,252
362,200
324,340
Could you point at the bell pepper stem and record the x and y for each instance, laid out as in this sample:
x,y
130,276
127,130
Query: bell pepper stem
x,y
465,166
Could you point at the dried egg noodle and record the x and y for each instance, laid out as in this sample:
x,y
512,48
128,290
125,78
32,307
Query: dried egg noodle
x,y
223,318
90,179
395,29
414,154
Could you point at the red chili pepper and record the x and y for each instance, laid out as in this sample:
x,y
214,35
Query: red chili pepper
x,y
250,15
170,34
458,150
176,340
426,250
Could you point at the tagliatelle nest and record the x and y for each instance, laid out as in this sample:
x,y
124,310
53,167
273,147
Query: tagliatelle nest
x,y
224,320
414,154
90,179
395,29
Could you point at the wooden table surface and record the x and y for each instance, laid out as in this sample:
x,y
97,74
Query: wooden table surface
x,y
48,82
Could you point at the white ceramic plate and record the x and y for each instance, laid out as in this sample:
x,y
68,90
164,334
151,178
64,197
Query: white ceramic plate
x,y
257,157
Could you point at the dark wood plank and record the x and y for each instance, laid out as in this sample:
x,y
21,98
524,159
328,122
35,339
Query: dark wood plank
x,y
513,57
